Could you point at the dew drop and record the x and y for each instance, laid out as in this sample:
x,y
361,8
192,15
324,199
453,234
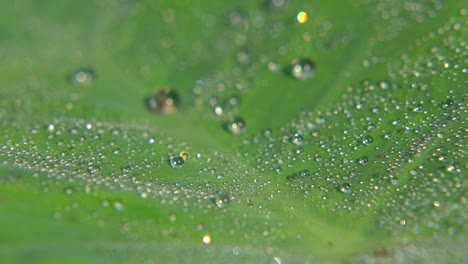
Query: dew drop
x,y
297,139
218,110
165,101
118,205
418,108
206,239
184,154
302,69
345,188
176,162
388,135
278,170
363,160
396,122
198,88
83,77
233,101
301,17
367,140
447,104
69,191
222,200
305,173
50,128
236,126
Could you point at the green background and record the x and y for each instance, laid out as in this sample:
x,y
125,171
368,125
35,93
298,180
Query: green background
x,y
85,176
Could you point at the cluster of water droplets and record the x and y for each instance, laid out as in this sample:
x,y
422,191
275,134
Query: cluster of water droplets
x,y
389,147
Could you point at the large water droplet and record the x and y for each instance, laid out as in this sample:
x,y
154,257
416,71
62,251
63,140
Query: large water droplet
x,y
297,139
176,162
367,140
302,69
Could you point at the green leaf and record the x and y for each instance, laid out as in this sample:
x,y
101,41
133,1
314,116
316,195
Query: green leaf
x,y
360,159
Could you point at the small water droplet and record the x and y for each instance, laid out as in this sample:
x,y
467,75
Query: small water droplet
x,y
447,104
297,139
345,188
236,126
50,128
173,218
118,205
165,101
233,101
305,173
83,77
69,191
367,140
206,239
222,200
396,122
176,162
184,154
302,69
218,110
363,160
198,88
418,108
301,17
388,135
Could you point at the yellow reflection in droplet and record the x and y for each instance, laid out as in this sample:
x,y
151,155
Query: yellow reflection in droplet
x,y
206,239
301,17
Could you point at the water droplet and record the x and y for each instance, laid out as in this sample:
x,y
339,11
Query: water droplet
x,y
50,128
301,17
236,18
218,110
173,218
297,139
363,160
83,77
69,191
176,162
222,200
302,69
118,205
418,108
165,101
206,239
279,170
367,140
345,188
243,57
293,177
198,88
277,260
276,3
388,135
184,154
299,151
305,173
236,126
396,122
447,104
233,101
